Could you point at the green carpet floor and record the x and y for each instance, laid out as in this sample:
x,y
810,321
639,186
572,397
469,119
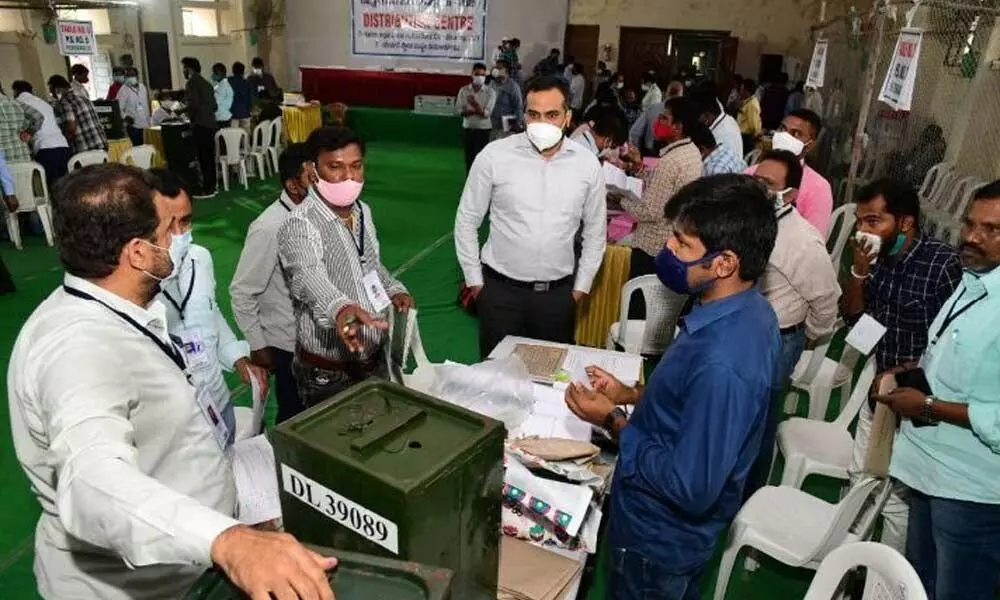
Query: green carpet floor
x,y
413,192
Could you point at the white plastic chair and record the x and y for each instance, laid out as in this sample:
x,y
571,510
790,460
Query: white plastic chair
x,y
654,334
85,159
842,226
422,377
140,156
821,448
818,375
236,142
26,175
276,146
792,526
933,181
896,574
259,142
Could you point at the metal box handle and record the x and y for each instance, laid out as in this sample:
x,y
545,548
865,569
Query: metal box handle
x,y
387,425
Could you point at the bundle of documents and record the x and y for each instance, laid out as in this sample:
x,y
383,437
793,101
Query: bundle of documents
x,y
531,573
620,183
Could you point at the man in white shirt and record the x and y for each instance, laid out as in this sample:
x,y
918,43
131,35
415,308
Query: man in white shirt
x,y
538,187
651,92
136,491
577,87
49,145
193,315
801,285
262,304
724,127
475,103
133,99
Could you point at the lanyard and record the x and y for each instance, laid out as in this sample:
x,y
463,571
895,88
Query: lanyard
x,y
285,206
717,121
187,296
784,212
168,348
359,245
952,315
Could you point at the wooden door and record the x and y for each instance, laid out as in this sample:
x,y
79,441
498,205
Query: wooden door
x,y
643,49
728,50
581,43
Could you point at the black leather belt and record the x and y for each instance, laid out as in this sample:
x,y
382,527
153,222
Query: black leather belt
x,y
535,286
793,329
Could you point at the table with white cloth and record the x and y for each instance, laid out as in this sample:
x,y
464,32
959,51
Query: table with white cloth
x,y
550,402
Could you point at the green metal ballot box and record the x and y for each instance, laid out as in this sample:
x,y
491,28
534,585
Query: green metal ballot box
x,y
357,577
384,470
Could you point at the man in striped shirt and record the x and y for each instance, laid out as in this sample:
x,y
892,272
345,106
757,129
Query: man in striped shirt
x,y
341,292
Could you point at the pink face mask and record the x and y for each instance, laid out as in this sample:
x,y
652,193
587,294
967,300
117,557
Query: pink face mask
x,y
341,194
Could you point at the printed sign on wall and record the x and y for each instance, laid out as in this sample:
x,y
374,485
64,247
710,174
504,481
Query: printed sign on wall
x,y
422,29
76,38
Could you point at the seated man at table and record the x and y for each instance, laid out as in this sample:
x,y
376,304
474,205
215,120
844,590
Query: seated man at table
x,y
686,452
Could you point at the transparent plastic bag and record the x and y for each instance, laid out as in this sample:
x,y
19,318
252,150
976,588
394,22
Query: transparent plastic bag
x,y
499,389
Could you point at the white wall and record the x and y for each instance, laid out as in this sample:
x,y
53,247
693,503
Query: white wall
x,y
318,33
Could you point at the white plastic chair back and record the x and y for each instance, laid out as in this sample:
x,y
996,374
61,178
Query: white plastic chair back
x,y
752,157
261,137
960,207
933,180
859,395
140,156
897,574
235,141
277,129
85,159
848,510
663,308
942,191
29,185
841,229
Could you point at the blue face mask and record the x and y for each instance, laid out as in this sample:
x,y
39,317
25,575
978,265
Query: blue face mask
x,y
673,272
179,245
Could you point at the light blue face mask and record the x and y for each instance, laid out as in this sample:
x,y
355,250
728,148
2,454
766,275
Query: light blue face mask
x,y
179,244
897,246
133,81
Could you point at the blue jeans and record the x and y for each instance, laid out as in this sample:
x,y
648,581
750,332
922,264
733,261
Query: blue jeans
x,y
633,577
792,345
954,546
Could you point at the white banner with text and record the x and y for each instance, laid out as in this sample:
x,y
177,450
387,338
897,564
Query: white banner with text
x,y
419,29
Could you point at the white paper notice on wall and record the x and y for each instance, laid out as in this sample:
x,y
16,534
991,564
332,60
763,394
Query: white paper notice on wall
x,y
865,334
76,38
900,79
366,523
817,66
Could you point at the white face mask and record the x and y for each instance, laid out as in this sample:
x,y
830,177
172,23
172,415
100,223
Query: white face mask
x,y
257,71
783,140
544,135
478,79
619,85
779,198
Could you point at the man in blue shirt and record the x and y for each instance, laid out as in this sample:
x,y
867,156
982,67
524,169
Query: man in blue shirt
x,y
686,452
508,112
953,466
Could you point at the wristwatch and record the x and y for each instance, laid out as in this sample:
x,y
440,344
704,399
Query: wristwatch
x,y
609,421
927,411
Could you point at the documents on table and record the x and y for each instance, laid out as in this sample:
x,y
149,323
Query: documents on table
x,y
256,479
552,418
618,182
625,367
543,362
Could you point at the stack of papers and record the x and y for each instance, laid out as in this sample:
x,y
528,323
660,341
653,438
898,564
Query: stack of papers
x,y
619,182
256,478
531,573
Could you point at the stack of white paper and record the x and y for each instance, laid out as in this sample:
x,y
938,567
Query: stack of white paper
x,y
620,183
256,481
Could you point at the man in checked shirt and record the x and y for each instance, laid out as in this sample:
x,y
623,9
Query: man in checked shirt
x,y
340,290
902,286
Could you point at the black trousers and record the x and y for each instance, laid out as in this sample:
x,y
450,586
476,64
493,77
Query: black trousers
x,y
287,393
135,135
640,264
55,161
475,140
204,140
506,309
6,281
